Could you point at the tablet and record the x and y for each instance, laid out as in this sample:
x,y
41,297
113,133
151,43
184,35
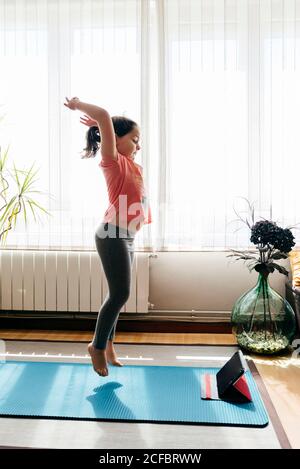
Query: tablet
x,y
230,373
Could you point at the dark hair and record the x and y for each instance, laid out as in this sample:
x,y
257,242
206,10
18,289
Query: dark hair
x,y
122,126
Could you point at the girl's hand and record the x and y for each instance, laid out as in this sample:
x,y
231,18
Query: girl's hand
x,y
86,120
72,103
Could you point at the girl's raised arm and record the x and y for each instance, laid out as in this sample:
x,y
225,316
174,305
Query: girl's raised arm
x,y
104,122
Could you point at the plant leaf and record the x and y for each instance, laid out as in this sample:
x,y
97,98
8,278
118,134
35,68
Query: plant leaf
x,y
10,203
24,210
29,181
280,269
278,255
39,206
16,178
10,220
33,212
3,159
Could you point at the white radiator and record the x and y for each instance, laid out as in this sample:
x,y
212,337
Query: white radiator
x,y
65,281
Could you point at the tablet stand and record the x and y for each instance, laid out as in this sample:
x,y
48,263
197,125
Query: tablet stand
x,y
229,384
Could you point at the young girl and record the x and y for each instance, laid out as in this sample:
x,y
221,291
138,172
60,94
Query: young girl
x,y
127,212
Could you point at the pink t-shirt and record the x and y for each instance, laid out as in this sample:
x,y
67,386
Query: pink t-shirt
x,y
127,196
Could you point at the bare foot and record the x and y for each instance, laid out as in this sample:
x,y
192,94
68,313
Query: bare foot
x,y
111,354
98,359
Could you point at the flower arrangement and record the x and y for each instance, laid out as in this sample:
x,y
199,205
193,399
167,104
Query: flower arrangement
x,y
272,242
263,321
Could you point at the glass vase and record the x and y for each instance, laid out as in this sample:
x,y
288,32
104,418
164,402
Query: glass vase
x,y
263,321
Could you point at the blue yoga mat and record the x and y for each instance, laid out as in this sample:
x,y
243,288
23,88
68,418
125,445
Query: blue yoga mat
x,y
161,394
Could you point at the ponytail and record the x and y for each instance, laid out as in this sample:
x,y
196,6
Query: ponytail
x,y
92,142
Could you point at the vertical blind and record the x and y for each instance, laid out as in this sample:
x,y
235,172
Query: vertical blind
x,y
213,85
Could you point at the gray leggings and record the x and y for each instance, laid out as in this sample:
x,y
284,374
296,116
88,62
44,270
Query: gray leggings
x,y
115,247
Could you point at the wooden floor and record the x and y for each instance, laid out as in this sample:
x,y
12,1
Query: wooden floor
x,y
281,375
135,337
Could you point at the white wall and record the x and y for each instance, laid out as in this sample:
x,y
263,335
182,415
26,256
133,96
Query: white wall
x,y
203,281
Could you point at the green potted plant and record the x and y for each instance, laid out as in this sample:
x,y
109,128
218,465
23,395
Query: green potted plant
x,y
263,321
20,200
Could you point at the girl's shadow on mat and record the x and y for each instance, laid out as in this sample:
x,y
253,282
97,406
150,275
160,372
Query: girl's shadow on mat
x,y
107,404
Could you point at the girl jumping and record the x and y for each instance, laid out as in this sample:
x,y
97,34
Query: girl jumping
x,y
118,140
